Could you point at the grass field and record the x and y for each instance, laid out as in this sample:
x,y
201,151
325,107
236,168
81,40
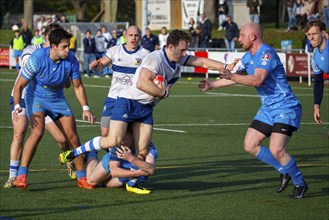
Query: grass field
x,y
202,170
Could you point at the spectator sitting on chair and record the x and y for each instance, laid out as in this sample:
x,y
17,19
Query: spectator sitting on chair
x,y
232,33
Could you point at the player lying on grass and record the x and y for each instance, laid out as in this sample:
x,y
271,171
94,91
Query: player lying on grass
x,y
120,167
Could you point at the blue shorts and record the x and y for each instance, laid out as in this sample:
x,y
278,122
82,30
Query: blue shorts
x,y
128,110
22,103
54,109
288,115
105,163
108,106
18,53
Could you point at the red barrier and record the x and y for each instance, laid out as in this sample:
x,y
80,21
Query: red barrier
x,y
4,57
200,69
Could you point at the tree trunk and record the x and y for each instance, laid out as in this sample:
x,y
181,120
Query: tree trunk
x,y
210,7
28,13
80,8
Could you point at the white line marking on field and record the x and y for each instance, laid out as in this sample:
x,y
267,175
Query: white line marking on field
x,y
159,129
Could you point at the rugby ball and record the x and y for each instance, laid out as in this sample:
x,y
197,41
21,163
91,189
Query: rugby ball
x,y
160,81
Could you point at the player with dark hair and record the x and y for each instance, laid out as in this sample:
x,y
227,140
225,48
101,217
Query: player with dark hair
x,y
135,104
20,127
280,113
47,71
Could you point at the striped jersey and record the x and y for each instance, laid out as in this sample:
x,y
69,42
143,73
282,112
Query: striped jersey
x,y
124,66
25,56
158,63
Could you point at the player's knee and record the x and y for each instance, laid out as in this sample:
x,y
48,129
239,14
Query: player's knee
x,y
19,136
278,153
91,181
249,148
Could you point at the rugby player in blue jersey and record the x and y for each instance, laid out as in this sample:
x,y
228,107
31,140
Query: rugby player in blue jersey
x,y
46,73
316,33
280,113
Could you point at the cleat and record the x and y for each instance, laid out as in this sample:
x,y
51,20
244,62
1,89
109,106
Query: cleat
x,y
285,178
71,170
299,191
83,183
137,189
65,157
20,181
9,183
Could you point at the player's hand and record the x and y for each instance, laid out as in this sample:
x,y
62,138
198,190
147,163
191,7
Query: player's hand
x,y
124,153
16,113
225,73
317,114
87,114
232,65
204,85
94,64
167,93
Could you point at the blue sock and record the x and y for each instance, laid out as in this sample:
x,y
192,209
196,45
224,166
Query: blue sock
x,y
81,173
91,145
294,172
266,156
23,170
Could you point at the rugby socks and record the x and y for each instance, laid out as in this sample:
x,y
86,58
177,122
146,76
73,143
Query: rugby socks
x,y
293,171
91,145
80,173
266,156
13,168
23,170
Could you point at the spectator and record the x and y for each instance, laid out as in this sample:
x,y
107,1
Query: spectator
x,y
222,13
64,19
291,14
325,13
89,51
100,48
107,36
73,42
114,39
232,33
298,5
191,25
41,24
163,37
149,40
37,39
206,27
17,43
196,37
122,39
253,10
27,35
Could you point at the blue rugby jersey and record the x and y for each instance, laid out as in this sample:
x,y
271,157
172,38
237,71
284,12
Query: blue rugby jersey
x,y
47,78
275,91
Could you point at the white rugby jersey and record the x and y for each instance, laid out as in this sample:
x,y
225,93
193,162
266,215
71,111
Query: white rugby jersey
x,y
25,56
158,63
124,66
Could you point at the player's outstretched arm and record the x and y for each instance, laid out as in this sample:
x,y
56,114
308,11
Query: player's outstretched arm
x,y
80,93
98,65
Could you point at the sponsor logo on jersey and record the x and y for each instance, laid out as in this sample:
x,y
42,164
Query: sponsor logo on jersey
x,y
138,61
266,57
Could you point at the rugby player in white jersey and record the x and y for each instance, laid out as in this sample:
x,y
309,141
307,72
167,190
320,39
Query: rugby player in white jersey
x,y
135,104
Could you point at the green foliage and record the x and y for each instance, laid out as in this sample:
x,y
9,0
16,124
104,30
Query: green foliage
x,y
203,173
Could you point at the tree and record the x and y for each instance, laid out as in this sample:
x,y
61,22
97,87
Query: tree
x,y
210,7
80,7
28,13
